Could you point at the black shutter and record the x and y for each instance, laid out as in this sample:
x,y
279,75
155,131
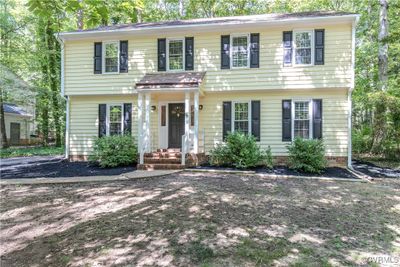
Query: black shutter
x,y
226,119
317,118
127,118
97,58
123,56
189,53
102,120
254,50
255,119
162,54
287,48
286,120
225,52
319,47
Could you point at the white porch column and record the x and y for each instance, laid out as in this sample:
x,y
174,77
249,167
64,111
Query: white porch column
x,y
187,120
140,128
147,122
196,123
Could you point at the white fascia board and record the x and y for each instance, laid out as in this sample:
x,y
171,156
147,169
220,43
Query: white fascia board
x,y
208,27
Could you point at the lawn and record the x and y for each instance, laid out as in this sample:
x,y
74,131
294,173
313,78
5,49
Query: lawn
x,y
201,219
31,151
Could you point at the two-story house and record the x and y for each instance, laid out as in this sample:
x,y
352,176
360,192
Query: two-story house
x,y
186,84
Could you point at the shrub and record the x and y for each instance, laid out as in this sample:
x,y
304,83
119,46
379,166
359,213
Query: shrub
x,y
307,155
240,151
113,151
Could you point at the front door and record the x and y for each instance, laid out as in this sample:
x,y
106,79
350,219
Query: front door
x,y
15,133
176,125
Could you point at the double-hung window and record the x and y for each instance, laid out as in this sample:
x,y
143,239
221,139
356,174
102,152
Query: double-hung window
x,y
176,59
115,119
240,51
241,117
111,57
303,47
302,119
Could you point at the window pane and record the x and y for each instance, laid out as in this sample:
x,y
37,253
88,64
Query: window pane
x,y
301,129
115,117
239,51
241,117
175,55
303,48
301,119
111,57
115,128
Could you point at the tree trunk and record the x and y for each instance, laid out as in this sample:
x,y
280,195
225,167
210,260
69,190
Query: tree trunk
x,y
383,45
181,9
53,81
4,142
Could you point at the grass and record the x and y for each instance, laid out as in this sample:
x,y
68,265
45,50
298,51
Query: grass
x,y
379,161
30,151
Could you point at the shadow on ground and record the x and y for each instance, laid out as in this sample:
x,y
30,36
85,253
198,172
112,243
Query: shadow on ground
x,y
195,219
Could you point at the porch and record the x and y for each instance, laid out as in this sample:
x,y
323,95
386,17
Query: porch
x,y
174,138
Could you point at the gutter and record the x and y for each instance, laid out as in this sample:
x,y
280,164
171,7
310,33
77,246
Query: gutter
x,y
349,94
66,135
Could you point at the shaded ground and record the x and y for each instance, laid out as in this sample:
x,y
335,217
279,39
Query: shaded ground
x,y
200,219
375,171
53,167
283,170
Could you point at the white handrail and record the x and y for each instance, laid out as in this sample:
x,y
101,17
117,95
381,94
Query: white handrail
x,y
183,156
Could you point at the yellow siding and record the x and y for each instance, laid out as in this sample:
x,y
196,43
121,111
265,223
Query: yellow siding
x,y
336,73
84,117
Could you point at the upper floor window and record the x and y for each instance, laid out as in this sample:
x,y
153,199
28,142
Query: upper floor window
x,y
302,119
303,47
240,51
111,57
241,117
175,54
115,119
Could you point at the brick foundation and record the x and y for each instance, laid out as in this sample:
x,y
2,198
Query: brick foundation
x,y
332,161
78,158
193,160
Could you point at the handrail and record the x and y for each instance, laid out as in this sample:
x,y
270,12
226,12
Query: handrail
x,y
183,156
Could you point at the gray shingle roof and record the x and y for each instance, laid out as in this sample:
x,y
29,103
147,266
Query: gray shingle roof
x,y
220,20
14,109
171,80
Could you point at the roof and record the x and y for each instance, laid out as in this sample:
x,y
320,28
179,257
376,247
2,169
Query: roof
x,y
14,109
174,80
274,17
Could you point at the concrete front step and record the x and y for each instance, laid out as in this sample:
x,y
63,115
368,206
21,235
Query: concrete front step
x,y
150,167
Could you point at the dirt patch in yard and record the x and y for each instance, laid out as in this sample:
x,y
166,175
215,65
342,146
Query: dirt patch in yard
x,y
200,219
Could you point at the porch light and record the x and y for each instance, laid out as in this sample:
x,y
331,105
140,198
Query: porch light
x,y
200,107
153,108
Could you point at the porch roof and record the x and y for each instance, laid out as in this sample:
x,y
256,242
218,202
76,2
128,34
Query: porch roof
x,y
171,80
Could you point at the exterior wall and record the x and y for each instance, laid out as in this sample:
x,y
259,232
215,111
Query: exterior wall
x,y
83,127
84,118
335,73
24,126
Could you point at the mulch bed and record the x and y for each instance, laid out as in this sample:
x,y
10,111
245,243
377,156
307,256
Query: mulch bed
x,y
375,171
59,169
329,172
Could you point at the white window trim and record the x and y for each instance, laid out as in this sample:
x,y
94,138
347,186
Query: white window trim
x,y
108,117
294,48
233,115
231,49
183,53
103,56
310,114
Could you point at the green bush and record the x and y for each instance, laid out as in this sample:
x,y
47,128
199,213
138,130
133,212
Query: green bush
x,y
113,151
307,155
362,139
240,151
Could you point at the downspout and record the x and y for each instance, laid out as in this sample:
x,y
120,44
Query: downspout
x,y
59,39
349,94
